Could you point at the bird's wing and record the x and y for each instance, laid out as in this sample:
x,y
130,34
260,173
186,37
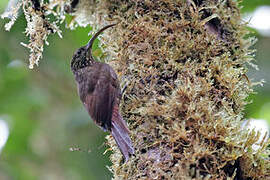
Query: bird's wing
x,y
100,102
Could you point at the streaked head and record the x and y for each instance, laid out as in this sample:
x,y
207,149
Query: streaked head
x,y
83,56
81,59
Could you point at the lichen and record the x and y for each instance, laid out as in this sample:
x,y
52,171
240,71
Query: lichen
x,y
11,12
38,27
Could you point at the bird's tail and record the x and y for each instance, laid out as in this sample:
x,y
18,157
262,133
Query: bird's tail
x,y
120,134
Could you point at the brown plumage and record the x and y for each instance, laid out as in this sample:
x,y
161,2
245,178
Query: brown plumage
x,y
99,91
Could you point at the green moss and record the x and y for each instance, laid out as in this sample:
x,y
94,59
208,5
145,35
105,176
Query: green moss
x,y
185,64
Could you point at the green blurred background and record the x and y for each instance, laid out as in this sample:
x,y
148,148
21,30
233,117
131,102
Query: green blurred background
x,y
46,119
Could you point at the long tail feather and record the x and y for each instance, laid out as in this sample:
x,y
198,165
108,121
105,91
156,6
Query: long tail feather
x,y
120,134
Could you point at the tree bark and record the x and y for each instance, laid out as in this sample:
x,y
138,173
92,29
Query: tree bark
x,y
185,64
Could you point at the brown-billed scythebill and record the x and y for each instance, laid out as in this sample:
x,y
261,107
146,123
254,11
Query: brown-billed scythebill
x,y
100,93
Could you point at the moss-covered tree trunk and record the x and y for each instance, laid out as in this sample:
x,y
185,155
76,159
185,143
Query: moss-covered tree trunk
x,y
185,64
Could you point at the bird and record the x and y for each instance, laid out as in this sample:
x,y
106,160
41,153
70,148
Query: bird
x,y
99,91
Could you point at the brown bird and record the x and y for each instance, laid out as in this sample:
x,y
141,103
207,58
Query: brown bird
x,y
100,93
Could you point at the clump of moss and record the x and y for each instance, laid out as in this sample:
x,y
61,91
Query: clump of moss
x,y
39,26
185,66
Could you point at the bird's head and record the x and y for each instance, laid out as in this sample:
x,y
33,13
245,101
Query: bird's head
x,y
81,58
